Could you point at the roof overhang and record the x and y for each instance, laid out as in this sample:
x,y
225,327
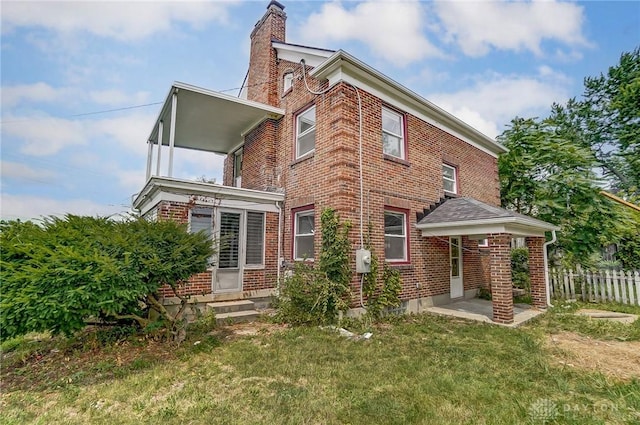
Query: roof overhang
x,y
295,53
516,226
206,120
158,186
342,66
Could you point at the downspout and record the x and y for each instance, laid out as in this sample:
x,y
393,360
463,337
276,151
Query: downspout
x,y
279,247
546,266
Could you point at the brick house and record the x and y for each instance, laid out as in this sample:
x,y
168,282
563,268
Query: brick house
x,y
316,128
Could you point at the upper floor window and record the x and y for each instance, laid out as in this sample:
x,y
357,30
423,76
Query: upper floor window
x,y
303,224
393,133
287,82
395,236
237,168
306,132
483,243
449,178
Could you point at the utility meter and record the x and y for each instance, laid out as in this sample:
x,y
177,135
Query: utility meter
x,y
363,261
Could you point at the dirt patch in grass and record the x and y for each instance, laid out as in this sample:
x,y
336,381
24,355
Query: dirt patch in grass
x,y
251,329
616,359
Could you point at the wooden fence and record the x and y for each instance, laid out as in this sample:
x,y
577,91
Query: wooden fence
x,y
598,286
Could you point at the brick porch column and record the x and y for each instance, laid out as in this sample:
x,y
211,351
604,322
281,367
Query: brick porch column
x,y
501,285
536,271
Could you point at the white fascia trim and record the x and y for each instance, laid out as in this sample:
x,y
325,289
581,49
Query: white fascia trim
x,y
292,53
515,227
270,111
190,188
522,221
342,66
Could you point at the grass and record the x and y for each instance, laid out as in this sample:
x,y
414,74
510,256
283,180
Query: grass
x,y
420,369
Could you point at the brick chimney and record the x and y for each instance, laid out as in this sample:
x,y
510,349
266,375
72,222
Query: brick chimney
x,y
262,84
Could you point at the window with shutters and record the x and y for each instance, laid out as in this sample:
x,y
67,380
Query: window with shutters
x,y
255,239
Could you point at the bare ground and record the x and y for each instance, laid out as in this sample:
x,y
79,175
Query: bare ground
x,y
617,359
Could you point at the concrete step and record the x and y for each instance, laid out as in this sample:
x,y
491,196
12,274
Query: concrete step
x,y
231,306
237,317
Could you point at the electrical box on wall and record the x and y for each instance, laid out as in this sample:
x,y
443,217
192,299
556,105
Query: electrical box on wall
x,y
363,261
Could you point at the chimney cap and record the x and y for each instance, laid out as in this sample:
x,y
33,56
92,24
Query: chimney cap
x,y
276,4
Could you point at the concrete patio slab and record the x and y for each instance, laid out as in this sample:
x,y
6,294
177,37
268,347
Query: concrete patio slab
x,y
482,311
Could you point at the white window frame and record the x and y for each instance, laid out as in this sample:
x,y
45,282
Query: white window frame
x,y
237,174
306,132
287,82
483,243
212,259
401,136
301,213
404,236
454,180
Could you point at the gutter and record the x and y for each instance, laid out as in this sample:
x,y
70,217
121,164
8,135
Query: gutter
x,y
546,266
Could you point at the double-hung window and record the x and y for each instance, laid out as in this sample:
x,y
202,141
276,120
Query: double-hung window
x,y
306,132
393,133
395,236
201,220
287,82
303,235
449,178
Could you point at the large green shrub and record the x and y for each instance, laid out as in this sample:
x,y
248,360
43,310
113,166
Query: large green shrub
x,y
57,274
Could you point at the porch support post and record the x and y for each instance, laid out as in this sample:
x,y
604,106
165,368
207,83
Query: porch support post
x,y
160,135
537,271
149,158
172,131
501,285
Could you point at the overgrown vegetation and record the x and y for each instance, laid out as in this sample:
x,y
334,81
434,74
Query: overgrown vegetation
x,y
316,294
381,295
413,369
57,275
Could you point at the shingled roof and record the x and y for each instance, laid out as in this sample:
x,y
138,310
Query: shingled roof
x,y
464,215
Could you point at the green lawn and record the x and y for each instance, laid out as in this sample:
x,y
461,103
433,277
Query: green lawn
x,y
421,369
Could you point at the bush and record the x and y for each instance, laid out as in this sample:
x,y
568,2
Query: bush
x,y
57,275
318,295
520,268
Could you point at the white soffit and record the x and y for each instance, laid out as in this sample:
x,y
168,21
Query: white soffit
x,y
295,53
207,120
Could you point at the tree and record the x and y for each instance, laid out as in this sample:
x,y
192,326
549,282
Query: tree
x,y
607,122
548,175
57,275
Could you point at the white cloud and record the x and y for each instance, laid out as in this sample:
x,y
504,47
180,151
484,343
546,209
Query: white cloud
x,y
19,171
124,21
493,100
479,26
42,136
392,30
38,92
27,207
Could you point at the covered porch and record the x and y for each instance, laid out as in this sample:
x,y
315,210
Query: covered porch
x,y
204,120
456,217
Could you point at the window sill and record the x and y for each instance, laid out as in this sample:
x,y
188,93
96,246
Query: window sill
x,y
397,160
401,266
303,158
286,92
256,267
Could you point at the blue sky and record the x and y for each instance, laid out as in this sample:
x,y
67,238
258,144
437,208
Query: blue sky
x,y
484,61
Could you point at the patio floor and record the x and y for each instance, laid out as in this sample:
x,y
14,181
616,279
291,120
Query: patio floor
x,y
482,311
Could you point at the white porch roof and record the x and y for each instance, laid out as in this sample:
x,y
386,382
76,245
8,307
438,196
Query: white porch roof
x,y
206,120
